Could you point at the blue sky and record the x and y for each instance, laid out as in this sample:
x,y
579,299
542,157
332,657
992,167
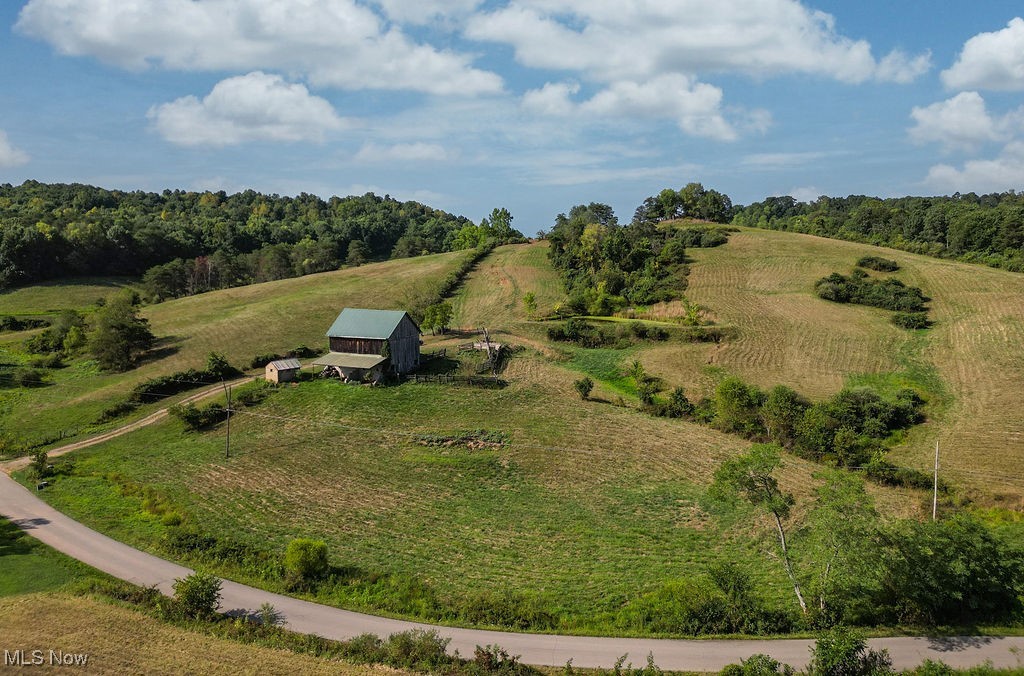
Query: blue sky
x,y
534,105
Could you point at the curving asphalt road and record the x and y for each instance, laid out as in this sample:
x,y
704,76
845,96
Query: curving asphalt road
x,y
72,538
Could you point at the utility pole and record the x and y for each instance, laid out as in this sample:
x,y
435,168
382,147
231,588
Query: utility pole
x,y
227,440
935,490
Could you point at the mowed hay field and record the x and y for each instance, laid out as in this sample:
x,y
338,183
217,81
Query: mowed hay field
x,y
972,359
492,294
118,640
239,323
50,297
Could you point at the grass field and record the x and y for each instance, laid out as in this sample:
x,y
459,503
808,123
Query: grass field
x,y
240,323
65,294
42,608
119,640
492,295
27,566
971,361
589,505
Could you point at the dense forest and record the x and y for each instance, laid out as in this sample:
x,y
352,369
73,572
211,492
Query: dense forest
x,y
606,266
985,229
187,242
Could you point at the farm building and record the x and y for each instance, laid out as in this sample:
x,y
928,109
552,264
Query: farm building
x,y
283,370
357,340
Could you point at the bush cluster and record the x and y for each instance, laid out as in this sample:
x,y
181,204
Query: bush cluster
x,y
878,263
148,391
847,429
196,418
11,323
723,602
619,335
890,294
507,609
911,320
29,377
54,360
64,335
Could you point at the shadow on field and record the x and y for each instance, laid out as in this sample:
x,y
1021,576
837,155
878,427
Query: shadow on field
x,y
12,539
164,347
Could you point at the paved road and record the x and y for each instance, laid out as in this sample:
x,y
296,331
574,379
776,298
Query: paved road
x,y
72,538
122,561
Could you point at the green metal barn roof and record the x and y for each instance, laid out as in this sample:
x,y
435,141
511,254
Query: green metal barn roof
x,y
359,323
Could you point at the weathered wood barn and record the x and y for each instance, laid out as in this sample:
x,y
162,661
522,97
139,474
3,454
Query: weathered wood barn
x,y
357,340
283,370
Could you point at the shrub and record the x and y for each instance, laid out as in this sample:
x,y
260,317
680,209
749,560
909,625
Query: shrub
x,y
678,404
54,360
758,665
40,465
417,649
9,323
507,609
198,595
890,294
117,410
196,419
217,367
305,560
955,571
29,378
878,263
584,386
252,393
493,659
841,652
303,352
911,320
268,614
736,407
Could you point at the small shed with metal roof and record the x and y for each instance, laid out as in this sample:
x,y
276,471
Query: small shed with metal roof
x,y
283,370
358,334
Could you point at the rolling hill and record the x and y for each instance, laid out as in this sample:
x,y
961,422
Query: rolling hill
x,y
568,509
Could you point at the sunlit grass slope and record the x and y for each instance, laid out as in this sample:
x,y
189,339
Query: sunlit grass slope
x,y
239,323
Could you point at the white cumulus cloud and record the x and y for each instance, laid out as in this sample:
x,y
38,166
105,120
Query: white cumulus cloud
x,y
962,121
1004,172
639,40
901,68
694,106
9,155
990,61
331,42
253,107
554,98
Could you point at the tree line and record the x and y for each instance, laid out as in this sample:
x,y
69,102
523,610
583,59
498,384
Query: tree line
x,y
975,228
187,242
